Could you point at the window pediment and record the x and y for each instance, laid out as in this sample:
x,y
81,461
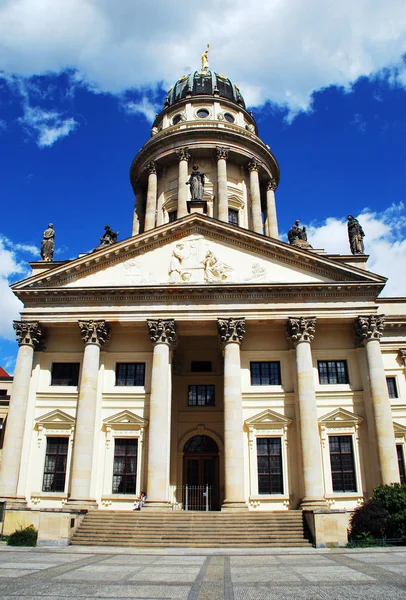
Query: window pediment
x,y
400,431
267,419
340,418
125,419
56,418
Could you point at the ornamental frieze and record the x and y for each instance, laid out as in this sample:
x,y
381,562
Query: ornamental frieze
x,y
369,328
231,330
163,331
29,333
301,329
94,332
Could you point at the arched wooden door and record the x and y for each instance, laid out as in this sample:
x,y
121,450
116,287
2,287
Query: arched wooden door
x,y
201,474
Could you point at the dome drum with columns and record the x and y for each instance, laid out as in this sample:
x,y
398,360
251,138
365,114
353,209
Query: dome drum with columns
x,y
207,125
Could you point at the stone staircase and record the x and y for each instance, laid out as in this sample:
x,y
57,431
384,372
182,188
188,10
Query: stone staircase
x,y
180,529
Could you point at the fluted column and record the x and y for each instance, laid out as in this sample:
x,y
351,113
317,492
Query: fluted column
x,y
369,331
29,337
94,335
255,192
150,210
138,210
183,156
300,331
271,220
231,333
163,336
222,157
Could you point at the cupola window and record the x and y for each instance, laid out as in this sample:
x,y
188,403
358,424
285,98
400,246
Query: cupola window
x,y
202,113
229,117
176,119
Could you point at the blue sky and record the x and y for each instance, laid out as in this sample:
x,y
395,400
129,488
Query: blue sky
x,y
80,84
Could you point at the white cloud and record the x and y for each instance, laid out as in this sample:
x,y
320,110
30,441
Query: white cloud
x,y
12,266
277,50
46,126
385,242
144,107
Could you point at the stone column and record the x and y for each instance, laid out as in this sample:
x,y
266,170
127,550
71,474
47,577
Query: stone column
x,y
369,331
94,334
183,156
300,331
29,337
222,156
138,210
150,210
272,220
231,333
253,167
163,336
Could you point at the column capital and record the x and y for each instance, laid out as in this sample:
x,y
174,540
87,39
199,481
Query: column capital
x,y
402,355
94,332
271,185
301,329
222,152
151,168
29,333
183,154
231,330
163,332
253,164
369,328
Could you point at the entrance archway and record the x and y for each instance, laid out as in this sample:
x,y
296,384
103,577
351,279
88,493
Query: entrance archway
x,y
201,473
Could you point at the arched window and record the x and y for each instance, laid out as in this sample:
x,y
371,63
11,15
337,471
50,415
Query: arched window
x,y
202,444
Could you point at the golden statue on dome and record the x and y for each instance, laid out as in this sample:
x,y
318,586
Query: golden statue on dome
x,y
205,59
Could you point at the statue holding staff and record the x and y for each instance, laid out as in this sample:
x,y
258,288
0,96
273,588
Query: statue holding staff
x,y
355,235
196,182
48,244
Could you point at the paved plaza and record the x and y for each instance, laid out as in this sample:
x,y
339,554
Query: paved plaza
x,y
192,574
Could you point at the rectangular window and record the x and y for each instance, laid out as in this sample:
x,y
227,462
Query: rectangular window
x,y
55,464
401,463
125,466
265,373
130,374
342,463
201,395
3,393
233,216
332,371
172,216
269,457
392,387
200,366
2,432
65,374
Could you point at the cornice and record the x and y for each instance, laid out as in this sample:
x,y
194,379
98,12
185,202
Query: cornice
x,y
197,137
216,230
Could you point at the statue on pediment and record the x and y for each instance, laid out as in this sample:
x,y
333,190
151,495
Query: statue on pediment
x,y
48,244
355,235
297,236
108,238
196,182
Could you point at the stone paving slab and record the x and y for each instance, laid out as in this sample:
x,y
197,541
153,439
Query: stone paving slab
x,y
58,574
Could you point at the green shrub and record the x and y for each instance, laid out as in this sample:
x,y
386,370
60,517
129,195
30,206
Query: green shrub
x,y
23,537
383,516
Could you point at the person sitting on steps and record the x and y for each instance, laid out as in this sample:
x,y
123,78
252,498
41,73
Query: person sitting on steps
x,y
140,501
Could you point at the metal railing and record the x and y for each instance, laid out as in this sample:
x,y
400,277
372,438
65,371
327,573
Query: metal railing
x,y
196,497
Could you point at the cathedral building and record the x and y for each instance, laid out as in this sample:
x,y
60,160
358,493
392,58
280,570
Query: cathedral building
x,y
203,360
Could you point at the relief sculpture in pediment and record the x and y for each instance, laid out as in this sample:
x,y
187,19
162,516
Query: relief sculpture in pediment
x,y
193,262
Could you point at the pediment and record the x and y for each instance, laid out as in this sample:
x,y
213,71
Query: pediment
x,y
267,418
55,418
400,430
125,418
197,250
340,417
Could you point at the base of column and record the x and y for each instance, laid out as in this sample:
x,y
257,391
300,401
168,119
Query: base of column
x,y
82,503
14,501
314,503
151,505
233,506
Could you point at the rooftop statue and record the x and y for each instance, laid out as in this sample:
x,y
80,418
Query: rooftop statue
x,y
205,59
196,182
108,238
355,235
48,244
297,236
